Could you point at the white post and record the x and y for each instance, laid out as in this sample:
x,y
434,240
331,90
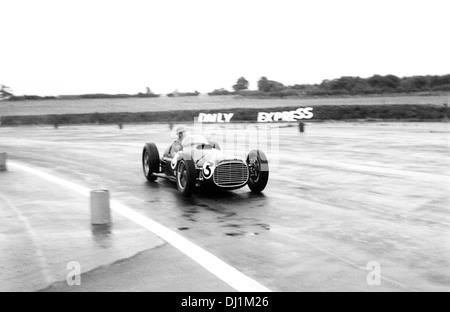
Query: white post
x,y
2,161
100,209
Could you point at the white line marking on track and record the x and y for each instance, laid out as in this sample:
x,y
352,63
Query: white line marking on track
x,y
40,259
216,266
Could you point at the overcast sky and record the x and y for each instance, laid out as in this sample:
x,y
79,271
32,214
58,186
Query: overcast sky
x,y
123,46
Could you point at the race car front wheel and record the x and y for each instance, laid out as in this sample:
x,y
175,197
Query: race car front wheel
x,y
186,176
258,167
150,161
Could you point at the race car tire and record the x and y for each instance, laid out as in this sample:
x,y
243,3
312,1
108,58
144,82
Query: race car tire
x,y
186,175
215,145
259,171
150,161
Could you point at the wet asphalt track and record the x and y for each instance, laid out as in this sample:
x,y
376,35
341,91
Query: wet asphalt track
x,y
339,196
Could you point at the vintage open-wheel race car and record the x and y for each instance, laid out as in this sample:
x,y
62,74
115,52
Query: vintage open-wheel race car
x,y
201,163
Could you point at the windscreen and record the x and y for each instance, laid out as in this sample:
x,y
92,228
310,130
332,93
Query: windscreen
x,y
194,140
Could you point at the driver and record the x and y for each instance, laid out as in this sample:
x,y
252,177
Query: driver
x,y
176,146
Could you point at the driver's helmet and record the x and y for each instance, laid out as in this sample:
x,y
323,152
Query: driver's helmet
x,y
180,130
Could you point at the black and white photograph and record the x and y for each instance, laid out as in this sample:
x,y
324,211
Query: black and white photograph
x,y
224,150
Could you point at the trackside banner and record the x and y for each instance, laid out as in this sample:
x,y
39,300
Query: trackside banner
x,y
295,115
299,114
219,117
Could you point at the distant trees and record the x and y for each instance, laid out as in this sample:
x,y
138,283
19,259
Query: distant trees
x,y
349,85
221,91
148,94
5,92
241,84
266,85
378,84
263,84
176,93
345,85
386,83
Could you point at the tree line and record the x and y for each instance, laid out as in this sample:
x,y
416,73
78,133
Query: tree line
x,y
7,94
346,85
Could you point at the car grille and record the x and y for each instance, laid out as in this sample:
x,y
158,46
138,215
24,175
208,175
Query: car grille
x,y
231,174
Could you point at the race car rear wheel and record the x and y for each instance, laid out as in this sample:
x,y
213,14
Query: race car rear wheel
x,y
258,171
186,176
150,161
